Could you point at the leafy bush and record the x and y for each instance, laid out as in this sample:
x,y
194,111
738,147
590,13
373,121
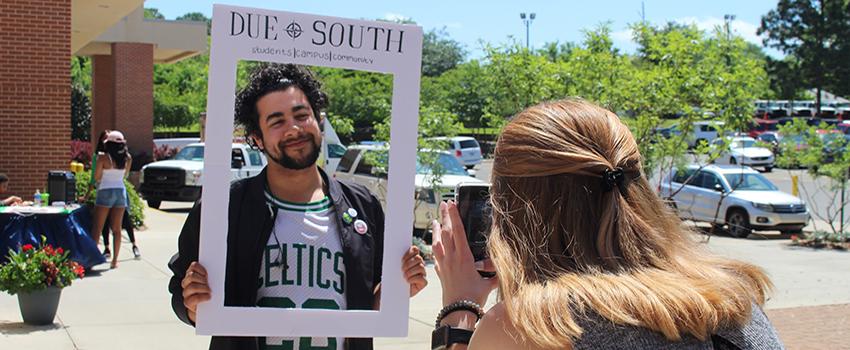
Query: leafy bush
x,y
137,208
32,269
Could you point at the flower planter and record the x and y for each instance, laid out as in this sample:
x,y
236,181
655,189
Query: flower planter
x,y
39,307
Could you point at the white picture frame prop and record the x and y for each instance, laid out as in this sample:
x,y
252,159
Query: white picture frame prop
x,y
306,39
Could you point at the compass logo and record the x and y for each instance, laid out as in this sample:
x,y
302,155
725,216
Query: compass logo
x,y
293,30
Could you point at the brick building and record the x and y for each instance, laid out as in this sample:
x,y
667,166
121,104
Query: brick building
x,y
38,39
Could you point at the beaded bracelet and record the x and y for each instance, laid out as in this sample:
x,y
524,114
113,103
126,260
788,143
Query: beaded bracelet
x,y
465,305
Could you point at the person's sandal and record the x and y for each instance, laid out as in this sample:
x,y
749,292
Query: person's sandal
x,y
107,254
136,252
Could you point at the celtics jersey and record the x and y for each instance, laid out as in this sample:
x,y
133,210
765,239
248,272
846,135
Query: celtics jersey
x,y
302,267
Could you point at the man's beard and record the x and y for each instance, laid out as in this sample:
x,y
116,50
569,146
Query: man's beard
x,y
295,164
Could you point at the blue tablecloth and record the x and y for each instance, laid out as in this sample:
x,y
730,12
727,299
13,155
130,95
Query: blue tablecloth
x,y
69,231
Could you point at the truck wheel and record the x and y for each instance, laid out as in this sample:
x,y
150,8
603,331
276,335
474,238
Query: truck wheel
x,y
768,169
739,223
732,161
154,203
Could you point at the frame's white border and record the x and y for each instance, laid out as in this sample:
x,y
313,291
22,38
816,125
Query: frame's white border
x,y
213,317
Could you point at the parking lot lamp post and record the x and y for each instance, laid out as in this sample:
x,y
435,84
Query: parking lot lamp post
x,y
527,21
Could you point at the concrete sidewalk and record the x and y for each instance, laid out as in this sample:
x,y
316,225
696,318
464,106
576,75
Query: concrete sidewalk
x,y
129,308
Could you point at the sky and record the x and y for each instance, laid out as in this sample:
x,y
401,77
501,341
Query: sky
x,y
498,22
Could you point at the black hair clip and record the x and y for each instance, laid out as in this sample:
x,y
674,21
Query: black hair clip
x,y
613,177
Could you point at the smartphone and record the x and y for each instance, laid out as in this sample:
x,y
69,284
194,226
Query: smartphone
x,y
473,204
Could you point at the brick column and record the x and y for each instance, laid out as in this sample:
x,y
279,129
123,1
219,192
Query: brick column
x,y
103,98
35,93
133,91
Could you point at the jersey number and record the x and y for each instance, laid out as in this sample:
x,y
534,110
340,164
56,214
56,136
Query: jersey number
x,y
304,343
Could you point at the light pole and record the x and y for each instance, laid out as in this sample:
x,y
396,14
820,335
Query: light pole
x,y
527,21
728,19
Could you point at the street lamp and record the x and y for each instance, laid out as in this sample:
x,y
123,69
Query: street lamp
x,y
527,22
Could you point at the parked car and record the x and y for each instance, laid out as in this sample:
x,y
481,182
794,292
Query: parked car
x,y
771,109
761,126
771,139
357,167
778,108
827,110
668,132
704,131
179,179
466,149
801,109
842,110
834,145
743,150
733,197
844,127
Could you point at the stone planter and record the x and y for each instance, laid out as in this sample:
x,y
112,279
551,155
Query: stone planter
x,y
39,307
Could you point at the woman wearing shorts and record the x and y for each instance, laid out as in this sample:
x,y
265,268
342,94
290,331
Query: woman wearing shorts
x,y
112,167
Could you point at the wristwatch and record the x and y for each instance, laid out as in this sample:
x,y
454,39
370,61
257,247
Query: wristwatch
x,y
444,336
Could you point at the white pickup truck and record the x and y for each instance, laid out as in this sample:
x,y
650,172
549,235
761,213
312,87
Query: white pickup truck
x,y
179,179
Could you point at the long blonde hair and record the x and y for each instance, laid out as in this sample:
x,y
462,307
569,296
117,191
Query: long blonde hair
x,y
563,245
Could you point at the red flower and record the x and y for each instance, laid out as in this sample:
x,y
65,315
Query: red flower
x,y
27,247
49,250
59,251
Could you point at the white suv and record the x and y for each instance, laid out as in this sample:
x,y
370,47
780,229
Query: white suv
x,y
355,167
466,149
735,196
704,131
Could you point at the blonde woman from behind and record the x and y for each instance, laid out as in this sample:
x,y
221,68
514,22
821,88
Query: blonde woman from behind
x,y
586,255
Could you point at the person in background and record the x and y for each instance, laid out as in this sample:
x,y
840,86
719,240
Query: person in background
x,y
112,167
4,186
586,254
126,221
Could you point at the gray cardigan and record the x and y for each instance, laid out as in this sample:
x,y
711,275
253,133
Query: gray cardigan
x,y
600,333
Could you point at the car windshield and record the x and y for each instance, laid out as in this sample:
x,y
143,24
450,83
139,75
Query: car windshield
x,y
191,153
749,182
448,163
767,137
742,143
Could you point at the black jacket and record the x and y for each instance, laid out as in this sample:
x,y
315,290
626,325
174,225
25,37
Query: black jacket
x,y
249,226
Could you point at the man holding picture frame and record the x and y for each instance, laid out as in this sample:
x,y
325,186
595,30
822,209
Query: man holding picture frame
x,y
297,238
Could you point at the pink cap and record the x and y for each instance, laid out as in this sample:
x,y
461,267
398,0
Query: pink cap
x,y
115,136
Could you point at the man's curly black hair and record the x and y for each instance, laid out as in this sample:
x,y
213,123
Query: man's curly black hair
x,y
271,77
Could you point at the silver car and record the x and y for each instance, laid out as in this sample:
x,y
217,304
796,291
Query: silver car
x,y
735,197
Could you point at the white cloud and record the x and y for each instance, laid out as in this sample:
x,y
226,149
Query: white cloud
x,y
746,30
395,17
622,36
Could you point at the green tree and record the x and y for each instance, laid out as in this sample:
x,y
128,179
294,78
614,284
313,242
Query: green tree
x,y
825,157
815,32
152,13
198,17
596,71
518,79
785,79
80,114
440,53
